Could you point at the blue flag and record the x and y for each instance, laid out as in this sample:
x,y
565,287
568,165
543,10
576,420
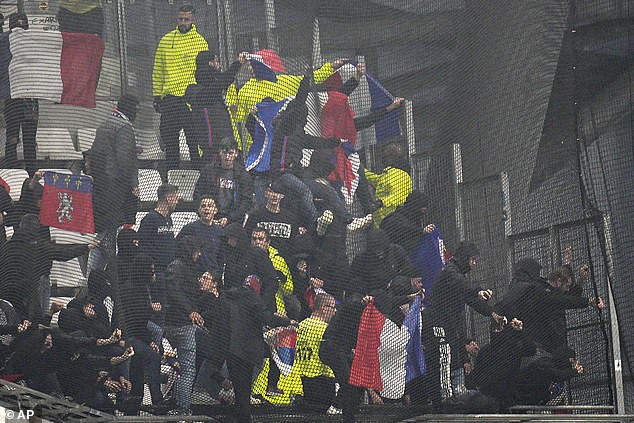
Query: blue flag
x,y
415,364
428,258
259,157
390,125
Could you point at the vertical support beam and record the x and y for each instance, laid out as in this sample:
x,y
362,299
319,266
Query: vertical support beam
x,y
506,205
231,51
222,36
553,234
123,42
457,174
269,13
316,44
619,397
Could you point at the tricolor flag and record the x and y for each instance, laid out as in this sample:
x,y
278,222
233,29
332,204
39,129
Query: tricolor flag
x,y
429,258
259,156
62,67
380,354
265,63
283,351
380,97
67,202
415,365
337,121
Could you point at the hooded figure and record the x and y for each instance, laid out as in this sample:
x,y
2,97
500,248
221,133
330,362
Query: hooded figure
x,y
405,226
381,262
526,270
210,117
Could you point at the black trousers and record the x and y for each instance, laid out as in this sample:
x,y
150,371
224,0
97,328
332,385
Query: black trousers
x,y
240,373
319,394
349,397
175,115
21,113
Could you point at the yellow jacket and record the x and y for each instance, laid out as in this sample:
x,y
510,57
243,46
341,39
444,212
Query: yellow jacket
x,y
392,188
255,90
175,62
286,287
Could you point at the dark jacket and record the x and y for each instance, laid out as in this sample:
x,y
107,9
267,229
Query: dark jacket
x,y
248,316
449,294
373,269
210,117
181,284
404,225
209,184
114,166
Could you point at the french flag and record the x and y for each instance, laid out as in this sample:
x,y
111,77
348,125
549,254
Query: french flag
x,y
284,352
265,63
62,67
429,258
259,156
379,96
380,354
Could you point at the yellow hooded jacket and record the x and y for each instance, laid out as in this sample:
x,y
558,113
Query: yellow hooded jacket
x,y
175,62
392,188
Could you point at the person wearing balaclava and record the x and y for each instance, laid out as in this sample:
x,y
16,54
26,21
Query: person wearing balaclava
x,y
210,117
444,321
174,69
382,261
113,164
409,223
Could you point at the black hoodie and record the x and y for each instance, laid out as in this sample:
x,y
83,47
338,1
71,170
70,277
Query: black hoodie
x,y
181,283
210,117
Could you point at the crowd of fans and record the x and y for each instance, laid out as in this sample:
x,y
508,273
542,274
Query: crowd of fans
x,y
268,252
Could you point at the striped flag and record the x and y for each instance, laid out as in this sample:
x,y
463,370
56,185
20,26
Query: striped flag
x,y
62,67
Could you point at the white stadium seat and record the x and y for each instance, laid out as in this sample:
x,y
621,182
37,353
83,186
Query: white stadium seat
x,y
67,274
56,144
185,180
149,181
14,178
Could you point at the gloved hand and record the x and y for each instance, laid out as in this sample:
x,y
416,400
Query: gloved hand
x,y
157,104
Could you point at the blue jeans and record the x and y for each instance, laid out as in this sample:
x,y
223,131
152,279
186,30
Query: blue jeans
x,y
145,362
183,338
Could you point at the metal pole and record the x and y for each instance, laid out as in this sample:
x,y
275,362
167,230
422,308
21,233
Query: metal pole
x,y
221,34
457,174
269,12
231,54
316,44
123,54
614,321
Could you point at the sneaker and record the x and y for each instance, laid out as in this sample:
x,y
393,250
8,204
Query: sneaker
x,y
179,412
323,222
274,392
334,410
359,223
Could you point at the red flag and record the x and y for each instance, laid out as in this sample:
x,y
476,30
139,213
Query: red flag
x,y
67,202
365,370
4,185
80,65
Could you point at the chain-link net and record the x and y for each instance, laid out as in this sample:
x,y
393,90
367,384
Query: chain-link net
x,y
319,209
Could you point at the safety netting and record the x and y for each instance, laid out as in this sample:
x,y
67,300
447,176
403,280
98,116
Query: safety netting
x,y
318,210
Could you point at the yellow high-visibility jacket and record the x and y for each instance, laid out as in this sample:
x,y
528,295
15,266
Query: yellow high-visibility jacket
x,y
286,287
175,62
392,188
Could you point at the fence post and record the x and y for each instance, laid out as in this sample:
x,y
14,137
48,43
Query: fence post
x,y
614,321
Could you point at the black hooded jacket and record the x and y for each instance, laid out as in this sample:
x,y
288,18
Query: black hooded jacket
x,y
210,117
373,269
404,225
450,293
181,283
